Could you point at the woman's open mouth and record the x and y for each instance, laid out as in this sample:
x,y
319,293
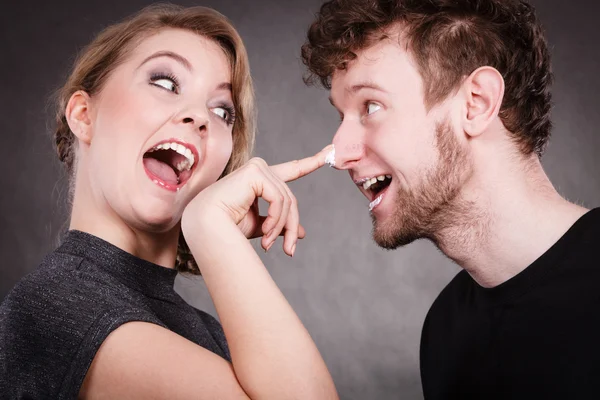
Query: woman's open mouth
x,y
170,163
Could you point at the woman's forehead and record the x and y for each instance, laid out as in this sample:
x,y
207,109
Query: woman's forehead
x,y
194,51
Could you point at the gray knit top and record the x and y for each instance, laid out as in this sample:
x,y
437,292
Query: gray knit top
x,y
55,319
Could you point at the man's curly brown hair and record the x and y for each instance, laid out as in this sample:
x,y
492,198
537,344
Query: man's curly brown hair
x,y
448,39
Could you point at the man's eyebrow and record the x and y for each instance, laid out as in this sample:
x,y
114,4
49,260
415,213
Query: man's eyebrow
x,y
365,85
180,59
360,86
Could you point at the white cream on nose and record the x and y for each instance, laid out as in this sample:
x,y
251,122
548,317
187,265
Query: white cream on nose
x,y
330,157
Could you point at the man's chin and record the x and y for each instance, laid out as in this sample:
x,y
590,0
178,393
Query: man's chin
x,y
393,237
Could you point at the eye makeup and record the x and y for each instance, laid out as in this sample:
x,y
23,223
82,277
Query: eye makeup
x,y
157,76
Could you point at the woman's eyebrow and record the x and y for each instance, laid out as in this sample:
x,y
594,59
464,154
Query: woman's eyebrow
x,y
180,59
225,86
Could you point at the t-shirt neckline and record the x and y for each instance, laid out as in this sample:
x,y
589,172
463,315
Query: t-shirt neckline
x,y
547,263
144,276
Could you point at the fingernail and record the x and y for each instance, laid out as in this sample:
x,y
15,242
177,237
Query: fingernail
x,y
269,247
293,249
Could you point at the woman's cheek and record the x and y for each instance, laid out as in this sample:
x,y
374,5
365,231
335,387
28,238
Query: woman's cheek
x,y
217,152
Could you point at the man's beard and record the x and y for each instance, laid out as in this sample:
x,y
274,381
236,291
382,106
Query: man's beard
x,y
434,205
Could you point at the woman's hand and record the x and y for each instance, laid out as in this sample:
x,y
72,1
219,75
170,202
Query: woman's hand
x,y
273,355
235,198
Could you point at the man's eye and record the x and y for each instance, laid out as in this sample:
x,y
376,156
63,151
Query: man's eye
x,y
372,107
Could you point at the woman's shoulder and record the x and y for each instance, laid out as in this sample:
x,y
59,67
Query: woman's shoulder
x,y
65,297
65,283
215,329
54,320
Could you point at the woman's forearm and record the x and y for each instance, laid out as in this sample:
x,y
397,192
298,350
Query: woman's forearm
x,y
273,355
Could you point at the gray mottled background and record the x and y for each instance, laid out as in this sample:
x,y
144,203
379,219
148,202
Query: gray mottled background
x,y
363,306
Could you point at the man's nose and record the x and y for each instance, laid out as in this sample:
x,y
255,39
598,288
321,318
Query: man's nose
x,y
349,146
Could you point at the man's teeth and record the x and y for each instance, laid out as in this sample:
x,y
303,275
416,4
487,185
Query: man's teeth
x,y
367,184
181,149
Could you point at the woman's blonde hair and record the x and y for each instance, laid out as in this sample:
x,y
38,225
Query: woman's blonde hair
x,y
110,48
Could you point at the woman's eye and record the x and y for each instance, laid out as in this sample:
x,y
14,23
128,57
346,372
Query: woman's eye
x,y
166,83
372,107
221,112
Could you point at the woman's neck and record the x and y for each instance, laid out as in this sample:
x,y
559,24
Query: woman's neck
x,y
96,217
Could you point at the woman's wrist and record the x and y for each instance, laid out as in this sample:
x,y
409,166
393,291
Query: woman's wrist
x,y
210,233
204,224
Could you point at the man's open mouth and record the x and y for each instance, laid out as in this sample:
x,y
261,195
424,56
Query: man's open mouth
x,y
170,163
374,188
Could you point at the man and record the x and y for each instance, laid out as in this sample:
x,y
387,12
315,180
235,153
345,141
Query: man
x,y
444,108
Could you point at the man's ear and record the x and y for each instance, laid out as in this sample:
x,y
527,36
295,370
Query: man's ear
x,y
484,90
78,115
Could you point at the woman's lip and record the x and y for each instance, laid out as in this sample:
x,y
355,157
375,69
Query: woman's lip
x,y
163,184
187,174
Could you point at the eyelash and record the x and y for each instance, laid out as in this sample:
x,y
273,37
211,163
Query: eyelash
x,y
230,113
161,75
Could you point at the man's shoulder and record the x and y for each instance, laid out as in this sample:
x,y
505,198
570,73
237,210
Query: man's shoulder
x,y
442,314
454,291
578,248
587,231
450,300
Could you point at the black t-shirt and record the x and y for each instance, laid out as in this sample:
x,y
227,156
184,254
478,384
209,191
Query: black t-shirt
x,y
55,319
536,336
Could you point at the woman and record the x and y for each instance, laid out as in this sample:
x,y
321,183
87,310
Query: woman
x,y
157,108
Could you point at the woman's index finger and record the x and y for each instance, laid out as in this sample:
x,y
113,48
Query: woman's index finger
x,y
292,170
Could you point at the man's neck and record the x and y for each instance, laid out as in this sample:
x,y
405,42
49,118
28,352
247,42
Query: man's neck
x,y
509,216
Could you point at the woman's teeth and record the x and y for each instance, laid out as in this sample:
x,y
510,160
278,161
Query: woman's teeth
x,y
184,165
181,149
368,183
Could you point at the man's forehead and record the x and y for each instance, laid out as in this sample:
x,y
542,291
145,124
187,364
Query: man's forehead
x,y
371,67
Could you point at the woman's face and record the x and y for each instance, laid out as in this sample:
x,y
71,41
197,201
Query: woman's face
x,y
161,129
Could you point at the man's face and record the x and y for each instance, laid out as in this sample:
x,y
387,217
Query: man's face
x,y
407,160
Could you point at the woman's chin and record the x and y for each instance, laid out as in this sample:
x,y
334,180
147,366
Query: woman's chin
x,y
157,216
158,225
